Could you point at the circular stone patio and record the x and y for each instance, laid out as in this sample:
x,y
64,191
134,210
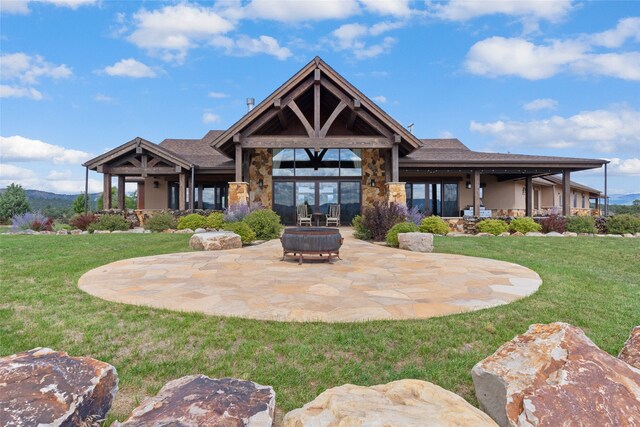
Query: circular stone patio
x,y
370,282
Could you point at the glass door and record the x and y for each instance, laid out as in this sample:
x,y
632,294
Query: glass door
x,y
327,195
283,201
349,201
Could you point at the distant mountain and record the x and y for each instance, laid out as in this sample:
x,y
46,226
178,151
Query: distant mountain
x,y
623,199
39,200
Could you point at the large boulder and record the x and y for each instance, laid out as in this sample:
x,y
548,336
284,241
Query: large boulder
x,y
404,403
215,241
197,400
553,375
416,242
46,387
630,352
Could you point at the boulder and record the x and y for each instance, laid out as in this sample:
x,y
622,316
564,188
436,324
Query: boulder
x,y
184,231
570,234
628,235
553,375
534,234
197,400
46,387
200,230
399,403
630,352
504,234
416,242
102,232
216,241
518,234
484,235
554,234
62,232
76,232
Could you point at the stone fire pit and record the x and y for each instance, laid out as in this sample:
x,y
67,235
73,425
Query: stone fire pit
x,y
320,241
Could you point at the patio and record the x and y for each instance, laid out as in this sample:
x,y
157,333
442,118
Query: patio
x,y
371,282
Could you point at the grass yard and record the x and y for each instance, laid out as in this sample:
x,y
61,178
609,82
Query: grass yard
x,y
593,283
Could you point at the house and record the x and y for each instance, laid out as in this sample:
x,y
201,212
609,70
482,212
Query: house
x,y
318,140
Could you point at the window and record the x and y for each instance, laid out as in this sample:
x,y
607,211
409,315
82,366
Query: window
x,y
438,198
327,162
575,199
582,200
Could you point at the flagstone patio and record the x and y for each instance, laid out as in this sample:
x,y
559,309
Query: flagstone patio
x,y
370,282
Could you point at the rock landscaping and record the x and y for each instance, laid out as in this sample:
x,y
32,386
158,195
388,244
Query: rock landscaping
x,y
552,375
215,241
416,242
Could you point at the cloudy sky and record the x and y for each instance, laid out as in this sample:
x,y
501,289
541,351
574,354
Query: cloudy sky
x,y
79,77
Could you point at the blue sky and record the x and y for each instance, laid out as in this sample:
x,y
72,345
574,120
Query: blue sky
x,y
79,77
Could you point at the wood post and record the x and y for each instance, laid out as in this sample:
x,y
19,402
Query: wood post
x,y
121,192
475,185
182,191
316,104
106,192
238,162
566,192
395,168
141,195
528,191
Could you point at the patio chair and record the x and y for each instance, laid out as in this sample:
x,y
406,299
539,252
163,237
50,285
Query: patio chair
x,y
333,217
303,216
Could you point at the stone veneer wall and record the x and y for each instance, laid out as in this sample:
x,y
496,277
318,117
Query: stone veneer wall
x,y
261,167
373,167
238,194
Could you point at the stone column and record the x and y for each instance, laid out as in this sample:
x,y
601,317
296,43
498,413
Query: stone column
x,y
238,194
396,193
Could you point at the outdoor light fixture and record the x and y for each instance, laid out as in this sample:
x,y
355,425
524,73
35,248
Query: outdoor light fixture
x,y
468,184
156,184
372,183
260,182
524,191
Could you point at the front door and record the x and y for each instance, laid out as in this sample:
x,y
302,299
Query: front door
x,y
317,195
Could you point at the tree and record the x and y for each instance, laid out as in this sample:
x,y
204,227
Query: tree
x,y
78,204
636,202
13,202
129,202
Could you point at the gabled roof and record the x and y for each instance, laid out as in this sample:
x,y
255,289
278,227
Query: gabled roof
x,y
443,144
198,152
131,146
224,141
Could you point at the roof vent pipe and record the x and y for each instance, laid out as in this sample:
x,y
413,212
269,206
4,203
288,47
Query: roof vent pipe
x,y
250,103
410,127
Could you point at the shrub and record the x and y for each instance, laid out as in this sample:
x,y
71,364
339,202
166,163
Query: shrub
x,y
581,224
215,220
555,223
236,213
380,217
192,221
403,227
601,224
493,226
524,225
265,223
359,230
160,222
434,224
13,201
110,223
83,222
59,226
414,215
624,223
31,221
242,229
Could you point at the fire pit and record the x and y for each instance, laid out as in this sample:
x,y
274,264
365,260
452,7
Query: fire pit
x,y
298,242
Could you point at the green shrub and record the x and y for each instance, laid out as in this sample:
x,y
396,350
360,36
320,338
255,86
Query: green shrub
x,y
403,227
192,221
242,229
624,223
434,224
59,226
359,230
160,222
215,220
109,222
265,223
581,224
524,225
492,226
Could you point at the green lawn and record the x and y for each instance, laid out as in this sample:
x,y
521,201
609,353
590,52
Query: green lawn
x,y
593,283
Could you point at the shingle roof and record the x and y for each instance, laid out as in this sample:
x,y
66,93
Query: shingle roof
x,y
554,179
444,144
198,152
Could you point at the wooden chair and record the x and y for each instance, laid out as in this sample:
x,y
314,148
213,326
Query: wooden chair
x,y
303,216
333,217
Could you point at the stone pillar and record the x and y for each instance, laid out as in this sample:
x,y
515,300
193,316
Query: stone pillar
x,y
396,193
238,194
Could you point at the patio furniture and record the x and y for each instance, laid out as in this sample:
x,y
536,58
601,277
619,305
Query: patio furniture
x,y
318,216
298,242
333,218
303,216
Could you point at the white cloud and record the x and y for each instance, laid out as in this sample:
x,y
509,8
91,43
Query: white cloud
x,y
130,68
173,30
18,7
541,104
298,11
350,37
72,4
598,130
22,6
210,118
380,99
100,97
7,91
55,175
247,46
217,95
64,182
500,56
29,69
20,149
619,166
398,8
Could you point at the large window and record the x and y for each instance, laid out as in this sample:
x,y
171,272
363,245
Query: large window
x,y
327,162
434,198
